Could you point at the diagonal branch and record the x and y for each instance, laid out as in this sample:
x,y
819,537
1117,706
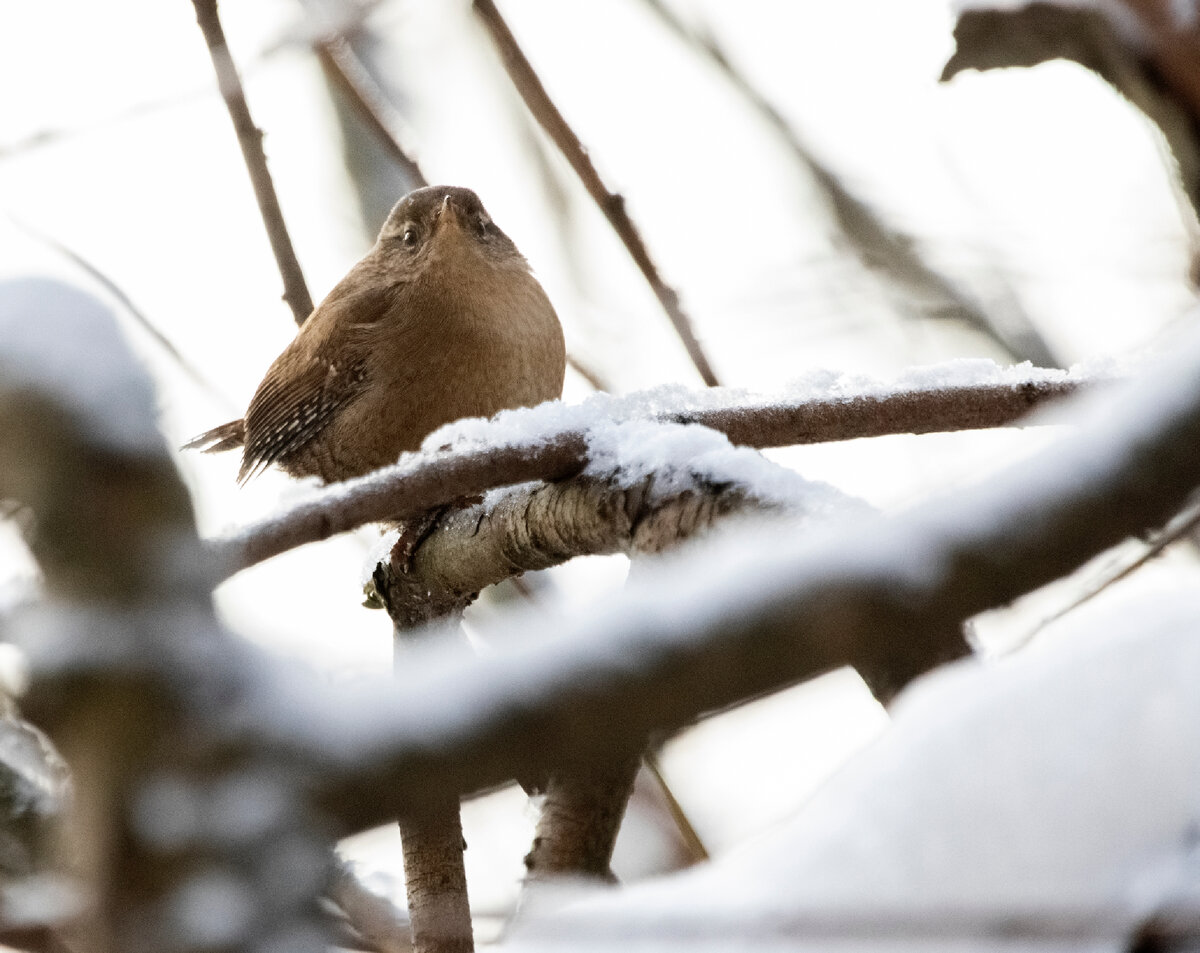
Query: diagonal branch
x,y
348,74
526,80
295,291
420,482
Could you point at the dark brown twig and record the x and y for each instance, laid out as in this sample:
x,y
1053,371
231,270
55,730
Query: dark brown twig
x,y
295,291
347,73
527,83
437,479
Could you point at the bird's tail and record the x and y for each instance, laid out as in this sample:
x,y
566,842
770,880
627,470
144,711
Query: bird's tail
x,y
228,436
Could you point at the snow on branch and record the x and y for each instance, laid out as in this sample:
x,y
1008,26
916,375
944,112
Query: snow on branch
x,y
753,612
647,487
554,441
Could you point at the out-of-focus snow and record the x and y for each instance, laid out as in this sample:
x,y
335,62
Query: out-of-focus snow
x,y
1057,785
57,340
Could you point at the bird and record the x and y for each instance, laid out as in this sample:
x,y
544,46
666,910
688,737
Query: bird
x,y
442,319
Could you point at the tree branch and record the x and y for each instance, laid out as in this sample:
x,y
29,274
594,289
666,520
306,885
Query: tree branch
x,y
420,482
539,103
347,73
757,613
295,291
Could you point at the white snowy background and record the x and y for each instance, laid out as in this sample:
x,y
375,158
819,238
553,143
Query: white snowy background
x,y
1040,187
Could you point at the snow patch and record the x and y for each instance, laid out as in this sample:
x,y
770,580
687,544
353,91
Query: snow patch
x,y
56,340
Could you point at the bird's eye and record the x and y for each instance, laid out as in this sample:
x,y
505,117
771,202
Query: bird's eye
x,y
410,237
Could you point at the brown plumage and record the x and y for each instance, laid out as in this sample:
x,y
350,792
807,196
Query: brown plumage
x,y
441,319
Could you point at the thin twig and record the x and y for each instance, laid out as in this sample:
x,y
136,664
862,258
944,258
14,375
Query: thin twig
x,y
348,74
526,80
687,830
1183,524
423,482
588,373
295,291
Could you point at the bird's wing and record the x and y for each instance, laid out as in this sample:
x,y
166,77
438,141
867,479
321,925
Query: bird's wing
x,y
320,372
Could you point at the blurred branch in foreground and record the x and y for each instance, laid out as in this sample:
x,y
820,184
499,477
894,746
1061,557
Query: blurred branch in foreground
x,y
249,136
126,659
166,721
526,81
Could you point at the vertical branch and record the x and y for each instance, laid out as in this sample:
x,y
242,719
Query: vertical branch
x,y
435,876
436,879
295,291
580,819
538,101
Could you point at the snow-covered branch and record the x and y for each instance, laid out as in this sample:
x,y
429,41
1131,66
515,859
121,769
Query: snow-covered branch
x,y
758,611
553,442
650,486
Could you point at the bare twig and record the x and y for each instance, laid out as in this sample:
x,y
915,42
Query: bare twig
x,y
435,877
526,80
588,373
347,73
1179,527
687,830
431,835
295,291
422,483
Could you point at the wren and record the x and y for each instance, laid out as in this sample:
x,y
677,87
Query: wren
x,y
441,319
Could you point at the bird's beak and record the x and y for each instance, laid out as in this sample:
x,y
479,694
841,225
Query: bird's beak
x,y
449,213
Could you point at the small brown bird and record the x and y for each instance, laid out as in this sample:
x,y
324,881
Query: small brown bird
x,y
442,319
